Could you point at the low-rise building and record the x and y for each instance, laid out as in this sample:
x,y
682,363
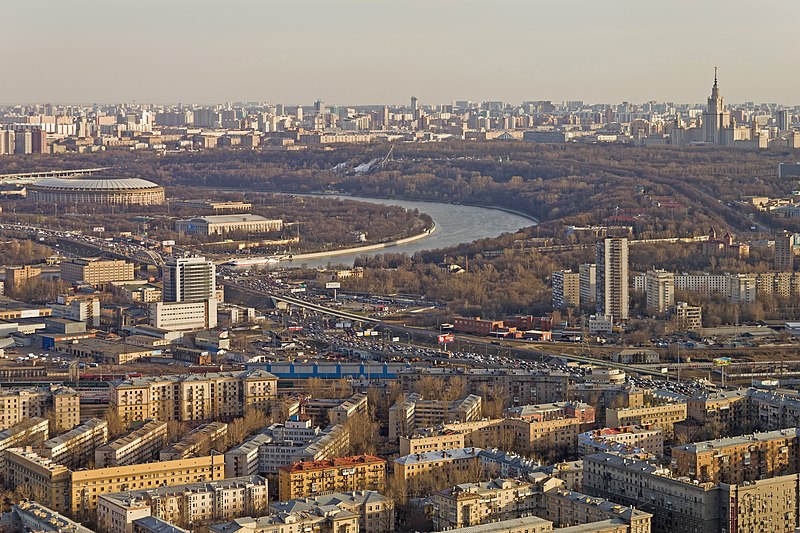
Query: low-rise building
x,y
522,435
97,272
341,474
139,446
223,224
584,412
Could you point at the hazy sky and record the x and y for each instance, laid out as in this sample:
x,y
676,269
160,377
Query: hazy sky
x,y
383,51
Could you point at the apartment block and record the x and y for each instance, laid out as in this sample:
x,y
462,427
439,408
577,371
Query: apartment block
x,y
431,440
200,441
552,411
74,448
588,284
524,435
33,516
30,432
566,289
48,482
18,404
193,396
740,459
567,508
318,521
375,511
661,416
412,412
659,290
612,278
514,386
472,504
411,466
283,444
678,504
96,272
624,440
17,277
324,411
139,446
88,485
341,474
185,504
688,317
151,524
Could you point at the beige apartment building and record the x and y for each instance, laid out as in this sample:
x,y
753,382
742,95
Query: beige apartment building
x,y
18,404
30,432
411,466
412,412
185,397
661,416
97,272
341,474
679,504
184,505
431,440
626,439
566,289
375,511
74,448
139,446
735,460
47,482
17,277
200,441
567,508
76,492
324,411
471,504
316,521
523,435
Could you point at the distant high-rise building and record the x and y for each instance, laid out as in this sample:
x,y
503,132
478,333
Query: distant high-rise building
x,y
7,142
23,142
588,282
414,105
660,289
566,289
716,119
319,107
782,118
189,279
39,142
784,253
612,278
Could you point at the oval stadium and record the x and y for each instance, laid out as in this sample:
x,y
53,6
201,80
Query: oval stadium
x,y
96,190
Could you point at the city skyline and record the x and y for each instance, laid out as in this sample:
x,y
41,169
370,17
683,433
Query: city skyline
x,y
352,52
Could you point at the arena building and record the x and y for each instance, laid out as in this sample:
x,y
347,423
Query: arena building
x,y
96,190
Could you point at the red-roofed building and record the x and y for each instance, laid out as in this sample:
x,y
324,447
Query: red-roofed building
x,y
341,474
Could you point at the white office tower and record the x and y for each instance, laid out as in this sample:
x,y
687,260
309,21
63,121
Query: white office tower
x,y
189,296
189,279
612,278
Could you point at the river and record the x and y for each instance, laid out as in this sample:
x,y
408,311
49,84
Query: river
x,y
455,224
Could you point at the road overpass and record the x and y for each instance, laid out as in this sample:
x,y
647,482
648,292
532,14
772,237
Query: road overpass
x,y
519,349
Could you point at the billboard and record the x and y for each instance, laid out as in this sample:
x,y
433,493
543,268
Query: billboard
x,y
722,361
333,285
447,337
